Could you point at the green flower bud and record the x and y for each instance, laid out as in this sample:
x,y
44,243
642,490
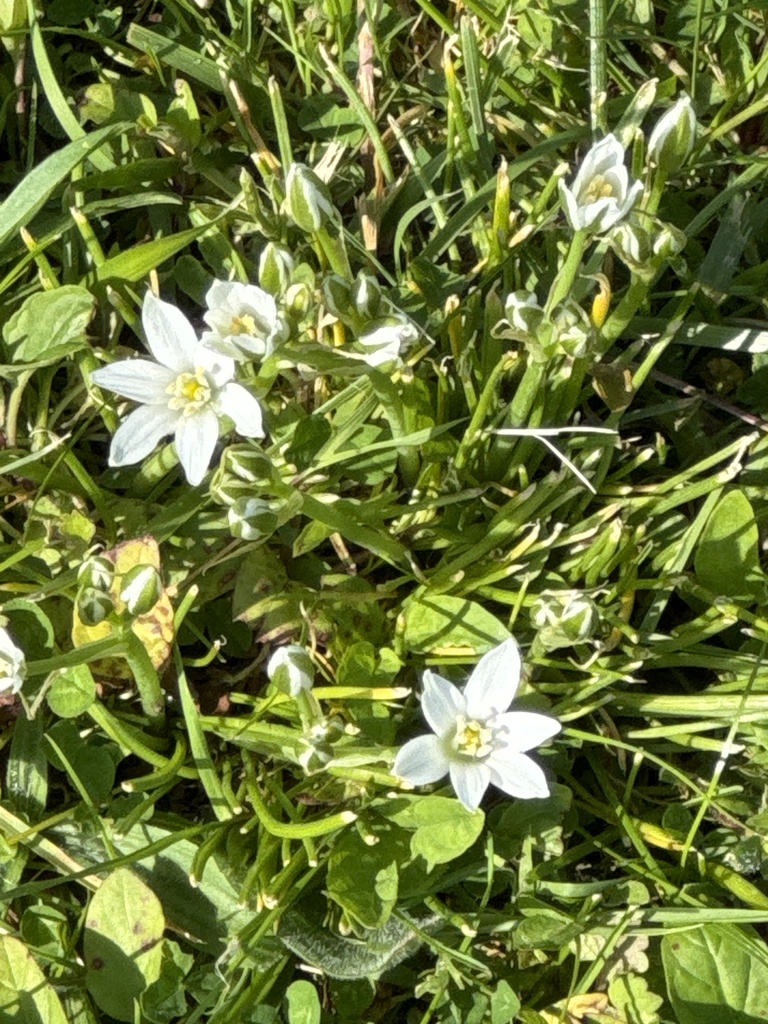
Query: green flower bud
x,y
141,589
366,296
96,573
338,296
669,242
251,519
307,200
93,606
243,472
565,618
672,139
275,268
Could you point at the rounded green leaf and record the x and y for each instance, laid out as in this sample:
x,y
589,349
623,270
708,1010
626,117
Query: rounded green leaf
x,y
123,951
716,974
450,625
72,692
728,556
443,828
49,325
25,995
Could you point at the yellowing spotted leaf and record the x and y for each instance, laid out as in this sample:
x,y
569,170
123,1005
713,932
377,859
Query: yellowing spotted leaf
x,y
153,628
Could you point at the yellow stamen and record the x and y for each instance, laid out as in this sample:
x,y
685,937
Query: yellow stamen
x,y
472,738
189,392
244,324
598,188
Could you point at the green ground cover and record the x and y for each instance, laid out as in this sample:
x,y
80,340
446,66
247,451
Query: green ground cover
x,y
368,371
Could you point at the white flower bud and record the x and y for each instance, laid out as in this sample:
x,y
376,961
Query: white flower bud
x,y
251,519
97,573
672,138
306,199
291,669
141,589
93,606
275,268
565,618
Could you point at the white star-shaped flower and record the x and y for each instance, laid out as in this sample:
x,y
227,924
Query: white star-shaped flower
x,y
476,740
13,664
185,392
243,319
600,194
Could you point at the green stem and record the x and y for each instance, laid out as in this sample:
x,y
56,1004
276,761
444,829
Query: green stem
x,y
563,283
483,406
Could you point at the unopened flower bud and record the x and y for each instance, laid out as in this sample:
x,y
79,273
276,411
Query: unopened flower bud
x,y
366,296
97,573
337,294
251,519
291,669
243,472
669,242
141,589
93,606
307,200
523,312
672,139
565,618
275,268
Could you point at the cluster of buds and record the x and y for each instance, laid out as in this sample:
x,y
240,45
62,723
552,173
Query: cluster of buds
x,y
382,333
644,249
564,618
566,331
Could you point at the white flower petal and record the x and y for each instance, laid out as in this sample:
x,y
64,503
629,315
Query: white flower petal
x,y
219,367
441,703
139,434
421,761
494,681
241,406
196,437
139,379
170,336
572,208
517,775
524,730
470,780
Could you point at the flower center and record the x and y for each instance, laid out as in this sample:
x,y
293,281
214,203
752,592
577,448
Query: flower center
x,y
472,737
244,324
189,392
598,188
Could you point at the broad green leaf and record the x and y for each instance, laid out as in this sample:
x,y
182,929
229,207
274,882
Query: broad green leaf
x,y
122,946
728,556
25,995
364,879
72,692
442,828
34,190
49,325
350,959
504,1004
303,1003
716,974
629,993
446,625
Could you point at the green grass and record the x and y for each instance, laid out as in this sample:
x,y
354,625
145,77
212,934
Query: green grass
x,y
173,847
